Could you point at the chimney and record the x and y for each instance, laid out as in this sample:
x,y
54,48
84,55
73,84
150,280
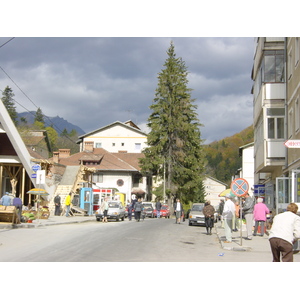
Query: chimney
x,y
88,146
64,153
55,156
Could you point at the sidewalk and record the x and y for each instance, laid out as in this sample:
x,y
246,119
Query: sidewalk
x,y
258,243
52,220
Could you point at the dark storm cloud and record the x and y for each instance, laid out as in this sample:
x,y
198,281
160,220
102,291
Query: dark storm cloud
x,y
92,82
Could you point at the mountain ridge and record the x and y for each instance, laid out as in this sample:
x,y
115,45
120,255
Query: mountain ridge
x,y
58,123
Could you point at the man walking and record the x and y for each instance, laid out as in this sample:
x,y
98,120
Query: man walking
x,y
57,205
228,212
248,213
68,204
158,208
283,233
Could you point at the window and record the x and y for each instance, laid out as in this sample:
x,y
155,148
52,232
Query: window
x,y
275,123
122,144
98,145
273,66
138,146
113,144
98,177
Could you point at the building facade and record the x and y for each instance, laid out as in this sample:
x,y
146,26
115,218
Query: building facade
x,y
275,92
115,137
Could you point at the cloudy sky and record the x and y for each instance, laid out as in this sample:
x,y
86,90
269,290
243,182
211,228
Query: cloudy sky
x,y
92,82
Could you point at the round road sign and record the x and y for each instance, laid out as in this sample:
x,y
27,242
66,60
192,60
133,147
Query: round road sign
x,y
36,168
239,187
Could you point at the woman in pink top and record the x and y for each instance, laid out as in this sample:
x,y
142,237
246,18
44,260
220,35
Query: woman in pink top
x,y
260,215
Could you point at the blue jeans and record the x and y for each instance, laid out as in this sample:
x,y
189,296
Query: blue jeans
x,y
68,210
158,213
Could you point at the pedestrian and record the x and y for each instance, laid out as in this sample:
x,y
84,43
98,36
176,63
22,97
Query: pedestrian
x,y
208,211
129,209
158,208
138,208
178,209
104,209
248,213
284,232
228,212
57,205
235,219
260,212
6,199
220,212
17,202
68,204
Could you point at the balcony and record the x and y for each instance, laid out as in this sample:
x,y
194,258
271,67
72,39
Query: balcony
x,y
270,155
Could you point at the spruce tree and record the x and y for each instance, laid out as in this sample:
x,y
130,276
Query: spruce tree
x,y
39,117
8,101
174,141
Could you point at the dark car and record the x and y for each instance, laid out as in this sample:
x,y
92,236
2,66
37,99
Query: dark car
x,y
148,211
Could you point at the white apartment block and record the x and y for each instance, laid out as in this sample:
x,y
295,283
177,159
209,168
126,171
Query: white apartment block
x,y
276,90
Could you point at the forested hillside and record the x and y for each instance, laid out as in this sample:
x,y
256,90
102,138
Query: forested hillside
x,y
223,158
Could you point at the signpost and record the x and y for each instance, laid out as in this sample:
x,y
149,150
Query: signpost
x,y
240,187
292,144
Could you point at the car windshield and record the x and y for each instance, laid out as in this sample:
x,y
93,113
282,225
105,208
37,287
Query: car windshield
x,y
113,205
164,207
197,207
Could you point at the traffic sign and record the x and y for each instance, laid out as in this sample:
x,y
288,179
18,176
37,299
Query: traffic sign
x,y
36,167
292,144
239,187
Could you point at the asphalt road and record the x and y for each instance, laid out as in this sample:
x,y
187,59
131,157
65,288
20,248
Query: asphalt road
x,y
152,240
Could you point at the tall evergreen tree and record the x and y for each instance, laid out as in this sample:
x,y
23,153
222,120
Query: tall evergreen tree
x,y
8,101
39,117
174,141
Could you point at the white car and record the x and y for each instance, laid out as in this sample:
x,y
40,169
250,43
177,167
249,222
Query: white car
x,y
116,211
196,216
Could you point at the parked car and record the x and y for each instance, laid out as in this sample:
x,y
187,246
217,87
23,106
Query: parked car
x,y
164,211
196,216
148,210
116,211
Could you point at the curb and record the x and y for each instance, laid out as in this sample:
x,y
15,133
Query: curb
x,y
234,248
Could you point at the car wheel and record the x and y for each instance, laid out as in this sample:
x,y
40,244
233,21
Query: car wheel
x,y
190,224
98,219
123,218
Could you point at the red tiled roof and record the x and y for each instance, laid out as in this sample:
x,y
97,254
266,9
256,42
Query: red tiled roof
x,y
107,160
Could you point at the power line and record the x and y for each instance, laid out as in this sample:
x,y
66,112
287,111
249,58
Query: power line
x,y
6,42
51,123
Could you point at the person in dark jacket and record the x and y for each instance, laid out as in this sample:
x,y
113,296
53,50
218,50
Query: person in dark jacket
x,y
208,211
57,205
138,208
158,208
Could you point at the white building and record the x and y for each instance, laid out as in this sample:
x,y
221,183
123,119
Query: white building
x,y
213,188
115,137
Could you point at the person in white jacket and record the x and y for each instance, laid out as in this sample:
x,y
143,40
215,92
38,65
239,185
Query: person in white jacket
x,y
228,213
283,233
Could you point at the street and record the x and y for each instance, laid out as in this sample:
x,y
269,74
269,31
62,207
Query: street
x,y
151,240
